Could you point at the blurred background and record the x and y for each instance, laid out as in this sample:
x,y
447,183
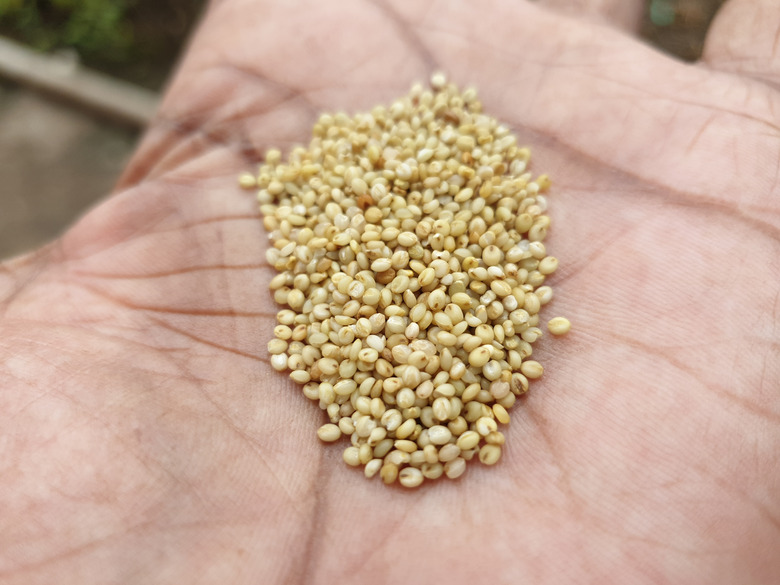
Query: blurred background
x,y
79,79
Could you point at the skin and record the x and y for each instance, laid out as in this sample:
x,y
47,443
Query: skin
x,y
146,439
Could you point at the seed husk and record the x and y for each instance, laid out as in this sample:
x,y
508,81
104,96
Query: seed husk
x,y
411,266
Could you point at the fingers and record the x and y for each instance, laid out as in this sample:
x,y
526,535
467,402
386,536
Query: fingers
x,y
625,14
745,38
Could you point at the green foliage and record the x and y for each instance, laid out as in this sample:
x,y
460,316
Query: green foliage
x,y
89,26
662,12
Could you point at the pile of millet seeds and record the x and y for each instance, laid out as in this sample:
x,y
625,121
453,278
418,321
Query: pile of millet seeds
x,y
409,248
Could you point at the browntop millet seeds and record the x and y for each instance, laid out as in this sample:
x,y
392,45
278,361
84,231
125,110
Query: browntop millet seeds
x,y
409,248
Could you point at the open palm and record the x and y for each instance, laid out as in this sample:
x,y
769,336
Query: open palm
x,y
145,438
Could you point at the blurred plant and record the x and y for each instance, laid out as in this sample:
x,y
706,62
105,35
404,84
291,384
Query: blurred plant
x,y
88,26
662,12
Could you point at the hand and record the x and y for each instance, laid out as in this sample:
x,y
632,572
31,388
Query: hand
x,y
146,439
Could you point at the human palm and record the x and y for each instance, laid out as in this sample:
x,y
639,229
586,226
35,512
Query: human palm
x,y
145,437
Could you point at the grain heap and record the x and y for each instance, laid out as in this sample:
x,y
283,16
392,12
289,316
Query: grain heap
x,y
409,248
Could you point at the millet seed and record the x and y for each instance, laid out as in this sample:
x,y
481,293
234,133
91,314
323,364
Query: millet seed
x,y
408,243
559,325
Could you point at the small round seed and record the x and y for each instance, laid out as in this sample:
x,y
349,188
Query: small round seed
x,y
501,414
407,239
329,433
432,470
300,376
448,452
558,326
439,434
480,356
410,477
468,440
531,369
445,338
455,468
548,265
247,181
351,456
489,454
492,370
389,473
372,468
485,425
491,256
406,429
397,458
277,346
501,288
406,446
381,264
437,300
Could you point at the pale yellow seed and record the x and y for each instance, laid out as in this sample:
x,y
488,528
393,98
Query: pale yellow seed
x,y
359,186
491,255
437,300
247,181
468,440
501,414
441,408
329,433
485,425
501,288
372,468
462,300
397,457
439,434
548,265
445,338
531,369
438,80
410,477
365,453
405,445
381,264
406,429
430,453
426,277
277,346
558,325
300,376
432,470
383,448
389,473
489,454
345,387
455,468
480,356
407,239
346,425
448,452
351,456
368,355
